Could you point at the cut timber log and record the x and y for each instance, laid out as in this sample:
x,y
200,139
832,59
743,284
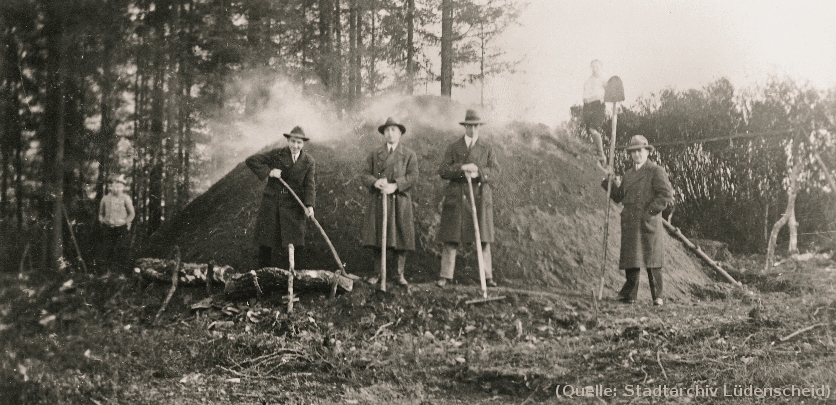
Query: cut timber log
x,y
266,280
190,273
272,279
675,231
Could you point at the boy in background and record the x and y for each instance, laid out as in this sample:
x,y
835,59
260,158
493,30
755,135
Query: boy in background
x,y
116,213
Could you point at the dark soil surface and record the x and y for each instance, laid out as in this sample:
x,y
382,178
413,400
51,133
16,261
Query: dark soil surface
x,y
93,341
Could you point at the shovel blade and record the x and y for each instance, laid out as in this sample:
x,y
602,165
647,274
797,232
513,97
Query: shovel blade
x,y
614,91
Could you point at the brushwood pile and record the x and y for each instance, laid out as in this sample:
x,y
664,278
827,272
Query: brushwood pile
x,y
549,210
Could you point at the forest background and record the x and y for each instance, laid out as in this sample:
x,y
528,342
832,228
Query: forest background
x,y
166,91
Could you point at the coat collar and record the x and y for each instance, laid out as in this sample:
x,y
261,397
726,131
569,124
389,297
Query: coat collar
x,y
461,145
383,151
635,175
287,158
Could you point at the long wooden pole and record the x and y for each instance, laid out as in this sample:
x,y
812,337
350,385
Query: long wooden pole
x,y
318,226
479,258
609,190
383,242
676,232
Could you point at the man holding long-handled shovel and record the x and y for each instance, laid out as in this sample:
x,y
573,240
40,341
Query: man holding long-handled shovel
x,y
390,172
468,157
645,191
281,220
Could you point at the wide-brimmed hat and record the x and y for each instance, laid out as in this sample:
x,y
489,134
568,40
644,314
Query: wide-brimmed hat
x,y
297,132
638,142
118,179
391,122
471,117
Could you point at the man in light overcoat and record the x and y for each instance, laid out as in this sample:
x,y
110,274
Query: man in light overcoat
x,y
645,191
391,171
469,156
281,220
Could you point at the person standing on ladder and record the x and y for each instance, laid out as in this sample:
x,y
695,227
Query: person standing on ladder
x,y
470,156
390,172
645,192
281,220
594,111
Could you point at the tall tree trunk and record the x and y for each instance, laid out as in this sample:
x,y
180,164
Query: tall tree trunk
x,y
155,181
338,50
352,50
187,142
56,240
373,50
447,48
483,43
5,116
326,41
358,55
410,46
789,213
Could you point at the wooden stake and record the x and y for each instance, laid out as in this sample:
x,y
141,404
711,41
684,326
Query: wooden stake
x,y
383,244
292,264
175,276
210,274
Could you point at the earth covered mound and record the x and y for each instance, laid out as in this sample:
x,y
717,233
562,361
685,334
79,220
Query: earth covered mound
x,y
549,209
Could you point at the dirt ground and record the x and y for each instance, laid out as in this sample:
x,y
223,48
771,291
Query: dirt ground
x,y
94,342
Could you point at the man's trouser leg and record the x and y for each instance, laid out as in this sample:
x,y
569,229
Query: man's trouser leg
x,y
654,277
630,290
401,254
448,260
487,261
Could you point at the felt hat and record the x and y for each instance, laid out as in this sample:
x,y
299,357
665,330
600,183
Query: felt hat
x,y
638,142
391,122
471,117
297,132
118,179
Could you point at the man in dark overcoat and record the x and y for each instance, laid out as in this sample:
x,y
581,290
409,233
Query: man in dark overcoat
x,y
281,220
470,156
645,191
390,172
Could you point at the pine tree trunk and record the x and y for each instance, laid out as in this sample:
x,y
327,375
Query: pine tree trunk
x,y
338,50
352,50
447,48
155,181
373,51
326,57
410,46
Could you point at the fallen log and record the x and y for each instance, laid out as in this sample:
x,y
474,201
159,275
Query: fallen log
x,y
253,283
696,249
189,274
272,279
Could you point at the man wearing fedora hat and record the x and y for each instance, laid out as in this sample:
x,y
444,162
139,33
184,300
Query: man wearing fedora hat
x,y
645,191
281,221
390,172
469,156
116,213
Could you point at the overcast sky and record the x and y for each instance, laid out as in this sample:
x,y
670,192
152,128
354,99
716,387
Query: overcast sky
x,y
656,44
